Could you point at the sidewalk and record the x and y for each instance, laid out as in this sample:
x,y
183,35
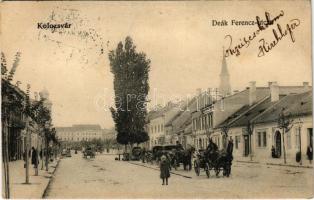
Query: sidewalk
x,y
275,161
38,184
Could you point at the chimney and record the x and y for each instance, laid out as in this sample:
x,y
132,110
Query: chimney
x,y
252,93
235,91
274,92
306,85
269,84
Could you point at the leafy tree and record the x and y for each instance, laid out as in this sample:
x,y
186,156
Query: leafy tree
x,y
284,122
130,70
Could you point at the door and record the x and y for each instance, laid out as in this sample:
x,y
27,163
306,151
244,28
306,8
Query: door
x,y
246,145
310,136
278,143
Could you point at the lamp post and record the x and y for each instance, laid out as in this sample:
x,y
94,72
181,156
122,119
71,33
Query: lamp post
x,y
300,147
46,143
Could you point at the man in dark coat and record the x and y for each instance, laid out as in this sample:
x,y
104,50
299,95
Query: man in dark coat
x,y
309,153
164,170
34,157
229,152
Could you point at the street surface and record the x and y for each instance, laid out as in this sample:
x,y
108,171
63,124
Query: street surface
x,y
103,177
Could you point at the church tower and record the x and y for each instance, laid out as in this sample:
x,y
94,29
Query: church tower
x,y
224,86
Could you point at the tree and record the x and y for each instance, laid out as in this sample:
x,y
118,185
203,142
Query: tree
x,y
225,131
284,122
11,102
250,130
130,70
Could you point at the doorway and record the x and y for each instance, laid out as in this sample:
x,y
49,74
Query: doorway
x,y
278,144
246,145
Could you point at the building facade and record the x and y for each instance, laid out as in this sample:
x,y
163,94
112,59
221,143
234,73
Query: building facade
x,y
81,132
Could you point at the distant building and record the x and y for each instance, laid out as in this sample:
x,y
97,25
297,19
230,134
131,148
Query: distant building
x,y
81,132
156,121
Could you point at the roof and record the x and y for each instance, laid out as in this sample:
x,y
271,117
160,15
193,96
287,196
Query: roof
x,y
181,121
294,104
267,111
246,112
160,112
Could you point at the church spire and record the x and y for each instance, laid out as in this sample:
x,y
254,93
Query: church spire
x,y
224,69
224,87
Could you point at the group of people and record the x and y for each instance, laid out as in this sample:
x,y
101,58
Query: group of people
x,y
33,154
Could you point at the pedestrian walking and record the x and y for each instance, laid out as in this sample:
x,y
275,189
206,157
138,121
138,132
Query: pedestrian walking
x,y
309,153
34,157
164,170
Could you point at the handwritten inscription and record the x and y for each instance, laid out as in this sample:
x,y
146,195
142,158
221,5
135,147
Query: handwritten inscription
x,y
279,34
264,47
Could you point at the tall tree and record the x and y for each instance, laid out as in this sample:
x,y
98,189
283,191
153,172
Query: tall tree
x,y
130,70
285,123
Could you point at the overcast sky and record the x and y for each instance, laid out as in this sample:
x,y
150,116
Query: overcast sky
x,y
184,48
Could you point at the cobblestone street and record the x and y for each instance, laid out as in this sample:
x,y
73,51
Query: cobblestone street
x,y
103,177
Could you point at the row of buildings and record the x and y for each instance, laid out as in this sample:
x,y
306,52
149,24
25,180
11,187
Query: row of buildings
x,y
249,117
18,129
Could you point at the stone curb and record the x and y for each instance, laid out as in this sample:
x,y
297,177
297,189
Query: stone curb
x,y
52,173
275,164
243,161
289,165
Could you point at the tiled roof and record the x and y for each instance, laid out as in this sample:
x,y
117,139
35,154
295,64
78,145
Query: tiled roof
x,y
160,112
295,104
246,113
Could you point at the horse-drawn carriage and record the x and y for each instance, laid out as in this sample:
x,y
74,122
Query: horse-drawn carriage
x,y
89,151
213,160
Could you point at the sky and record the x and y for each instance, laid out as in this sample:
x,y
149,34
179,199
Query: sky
x,y
184,47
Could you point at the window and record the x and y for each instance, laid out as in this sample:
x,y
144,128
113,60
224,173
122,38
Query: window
x,y
297,138
261,139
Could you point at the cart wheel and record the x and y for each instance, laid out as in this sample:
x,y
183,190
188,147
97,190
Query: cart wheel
x,y
197,168
207,170
217,170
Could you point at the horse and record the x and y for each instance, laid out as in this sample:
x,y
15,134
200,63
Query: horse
x,y
218,160
185,157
